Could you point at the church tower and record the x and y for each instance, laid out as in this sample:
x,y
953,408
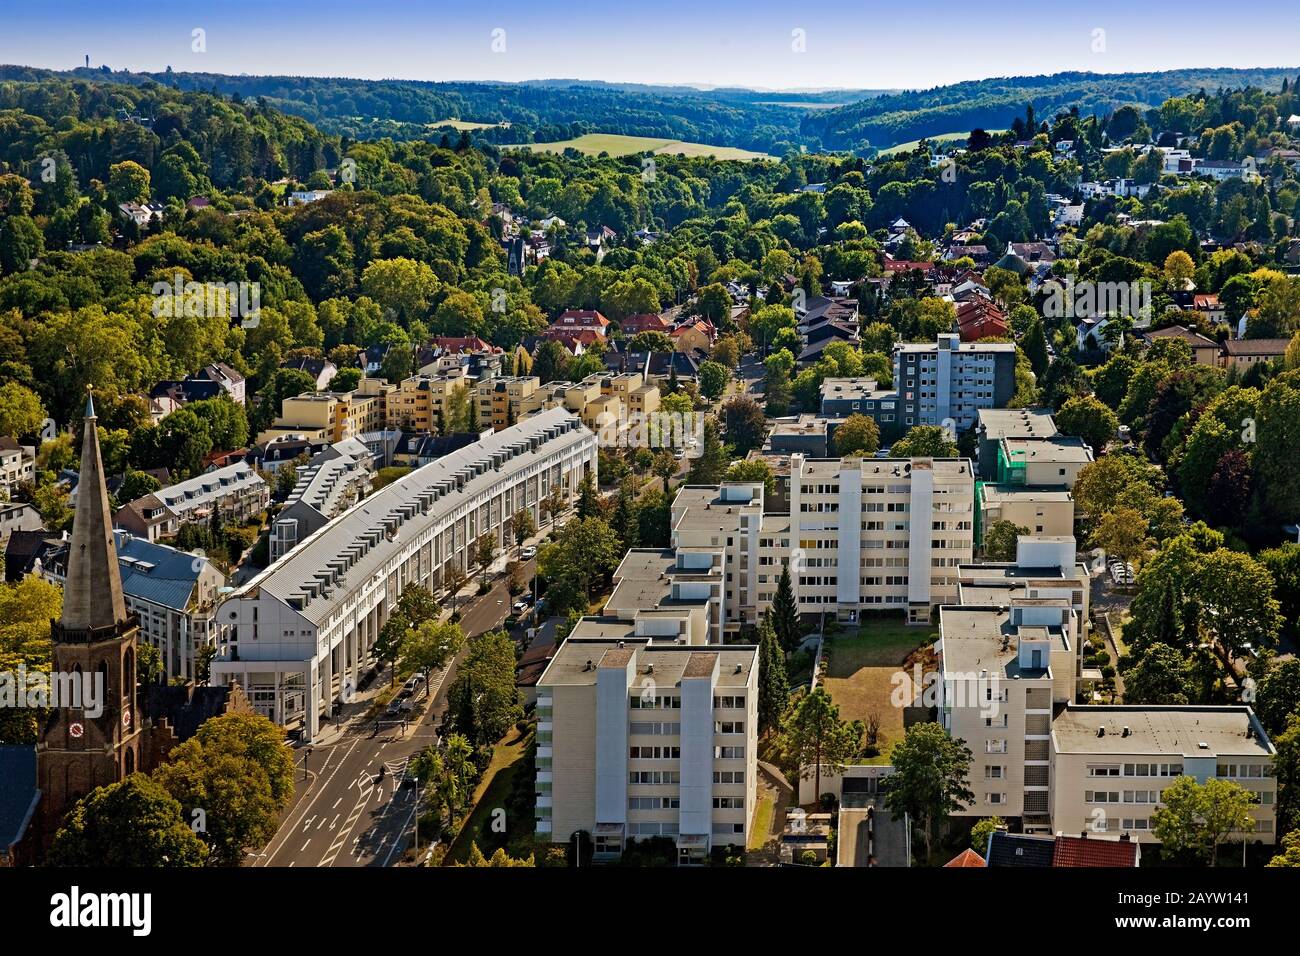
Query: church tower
x,y
81,749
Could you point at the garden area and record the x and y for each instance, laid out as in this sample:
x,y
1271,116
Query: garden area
x,y
859,674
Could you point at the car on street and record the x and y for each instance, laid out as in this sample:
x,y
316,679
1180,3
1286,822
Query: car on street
x,y
528,553
520,608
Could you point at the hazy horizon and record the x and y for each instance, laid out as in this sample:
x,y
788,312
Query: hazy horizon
x,y
760,45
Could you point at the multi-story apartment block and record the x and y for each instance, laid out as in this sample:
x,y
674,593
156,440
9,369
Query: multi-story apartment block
x,y
172,592
842,397
296,636
333,416
419,403
684,586
236,491
914,527
17,465
331,483
1003,670
638,738
951,380
1111,765
505,400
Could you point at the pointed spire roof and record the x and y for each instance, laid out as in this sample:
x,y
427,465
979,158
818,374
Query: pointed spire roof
x,y
92,593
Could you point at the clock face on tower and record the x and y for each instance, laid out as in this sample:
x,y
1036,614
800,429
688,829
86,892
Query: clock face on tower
x,y
126,718
76,729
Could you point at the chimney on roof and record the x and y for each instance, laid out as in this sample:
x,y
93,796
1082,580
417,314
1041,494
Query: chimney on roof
x,y
1101,731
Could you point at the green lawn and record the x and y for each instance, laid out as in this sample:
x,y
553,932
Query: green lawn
x,y
941,138
462,125
762,828
592,144
508,759
860,673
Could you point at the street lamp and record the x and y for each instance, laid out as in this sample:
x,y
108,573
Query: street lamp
x,y
416,778
305,756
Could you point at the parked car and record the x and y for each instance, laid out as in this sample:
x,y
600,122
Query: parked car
x,y
520,608
528,553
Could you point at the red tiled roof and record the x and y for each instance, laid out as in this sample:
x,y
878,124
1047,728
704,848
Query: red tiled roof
x,y
469,343
902,265
1082,851
643,322
582,318
964,859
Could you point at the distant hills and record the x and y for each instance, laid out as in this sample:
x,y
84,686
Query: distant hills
x,y
765,121
887,120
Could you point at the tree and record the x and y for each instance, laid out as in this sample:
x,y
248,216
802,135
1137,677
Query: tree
x,y
711,465
21,241
1161,675
1277,699
745,423
753,469
523,527
454,577
664,466
713,378
776,382
785,613
931,773
982,830
133,823
1122,533
1195,819
483,703
924,441
585,550
856,435
236,775
773,679
432,644
21,411
650,340
1001,538
1290,855
1286,768
485,550
1179,269
1237,603
401,286
127,182
813,735
1088,418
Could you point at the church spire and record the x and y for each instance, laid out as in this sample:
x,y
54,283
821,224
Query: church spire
x,y
92,593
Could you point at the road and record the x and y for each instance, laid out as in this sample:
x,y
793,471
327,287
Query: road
x,y
349,814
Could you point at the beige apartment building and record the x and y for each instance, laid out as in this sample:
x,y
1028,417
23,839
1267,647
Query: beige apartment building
x,y
420,403
1054,461
333,416
1111,765
1044,510
838,566
503,401
639,737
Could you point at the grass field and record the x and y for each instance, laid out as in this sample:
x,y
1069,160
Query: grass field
x,y
860,674
592,144
941,138
508,759
762,828
462,125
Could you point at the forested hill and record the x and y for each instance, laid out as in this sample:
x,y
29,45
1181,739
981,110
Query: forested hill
x,y
535,112
763,121
992,104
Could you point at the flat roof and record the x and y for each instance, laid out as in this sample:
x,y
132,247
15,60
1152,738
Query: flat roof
x,y
375,529
1027,493
1161,730
1021,422
979,639
1066,448
671,661
884,468
855,388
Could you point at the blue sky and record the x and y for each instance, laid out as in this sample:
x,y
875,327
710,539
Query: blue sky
x,y
862,44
